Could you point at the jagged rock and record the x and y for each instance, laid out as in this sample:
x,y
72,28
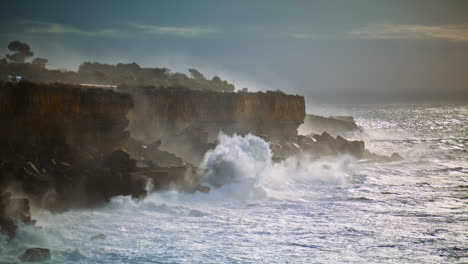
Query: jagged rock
x,y
35,255
315,146
161,158
150,155
155,145
334,125
12,212
324,137
355,148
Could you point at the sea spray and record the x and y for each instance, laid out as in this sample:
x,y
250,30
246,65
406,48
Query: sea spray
x,y
241,166
241,173
237,164
314,211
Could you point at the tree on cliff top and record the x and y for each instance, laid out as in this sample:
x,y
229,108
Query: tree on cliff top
x,y
216,79
40,62
21,51
196,74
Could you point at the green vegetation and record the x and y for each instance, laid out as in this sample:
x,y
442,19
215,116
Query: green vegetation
x,y
121,74
21,51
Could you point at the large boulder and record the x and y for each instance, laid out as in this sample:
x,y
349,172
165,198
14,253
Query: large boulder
x,y
355,148
35,255
12,212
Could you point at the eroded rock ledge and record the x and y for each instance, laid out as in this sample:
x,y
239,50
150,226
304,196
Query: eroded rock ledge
x,y
333,125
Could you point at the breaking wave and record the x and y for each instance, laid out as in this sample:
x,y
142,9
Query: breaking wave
x,y
295,211
241,174
242,167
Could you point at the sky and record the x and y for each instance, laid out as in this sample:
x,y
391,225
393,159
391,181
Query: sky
x,y
329,51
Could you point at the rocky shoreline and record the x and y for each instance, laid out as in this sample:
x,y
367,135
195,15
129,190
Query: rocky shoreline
x,y
65,146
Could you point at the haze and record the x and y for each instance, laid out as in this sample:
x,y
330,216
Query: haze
x,y
328,51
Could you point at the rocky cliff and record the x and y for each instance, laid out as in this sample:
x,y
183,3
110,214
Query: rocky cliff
x,y
159,111
56,142
66,146
55,114
167,114
42,120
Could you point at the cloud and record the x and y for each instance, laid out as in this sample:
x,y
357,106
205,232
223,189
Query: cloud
x,y
175,31
454,33
37,27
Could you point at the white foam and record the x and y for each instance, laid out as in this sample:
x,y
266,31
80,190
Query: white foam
x,y
242,167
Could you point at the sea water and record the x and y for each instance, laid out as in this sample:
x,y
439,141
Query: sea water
x,y
334,210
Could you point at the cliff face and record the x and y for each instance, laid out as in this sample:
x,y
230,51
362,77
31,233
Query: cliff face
x,y
160,111
188,122
55,145
94,121
37,114
58,142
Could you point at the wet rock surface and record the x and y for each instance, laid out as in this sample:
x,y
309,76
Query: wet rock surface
x,y
317,146
59,185
13,211
35,255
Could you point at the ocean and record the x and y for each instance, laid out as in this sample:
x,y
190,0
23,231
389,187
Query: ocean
x,y
333,210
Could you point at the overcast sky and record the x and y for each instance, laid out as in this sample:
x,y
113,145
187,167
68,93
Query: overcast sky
x,y
329,50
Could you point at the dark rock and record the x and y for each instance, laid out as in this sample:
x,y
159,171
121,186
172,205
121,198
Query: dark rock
x,y
119,160
151,155
373,157
354,148
8,226
334,125
324,137
12,212
35,255
98,236
316,146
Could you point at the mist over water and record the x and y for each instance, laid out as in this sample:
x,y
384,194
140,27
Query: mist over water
x,y
334,210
